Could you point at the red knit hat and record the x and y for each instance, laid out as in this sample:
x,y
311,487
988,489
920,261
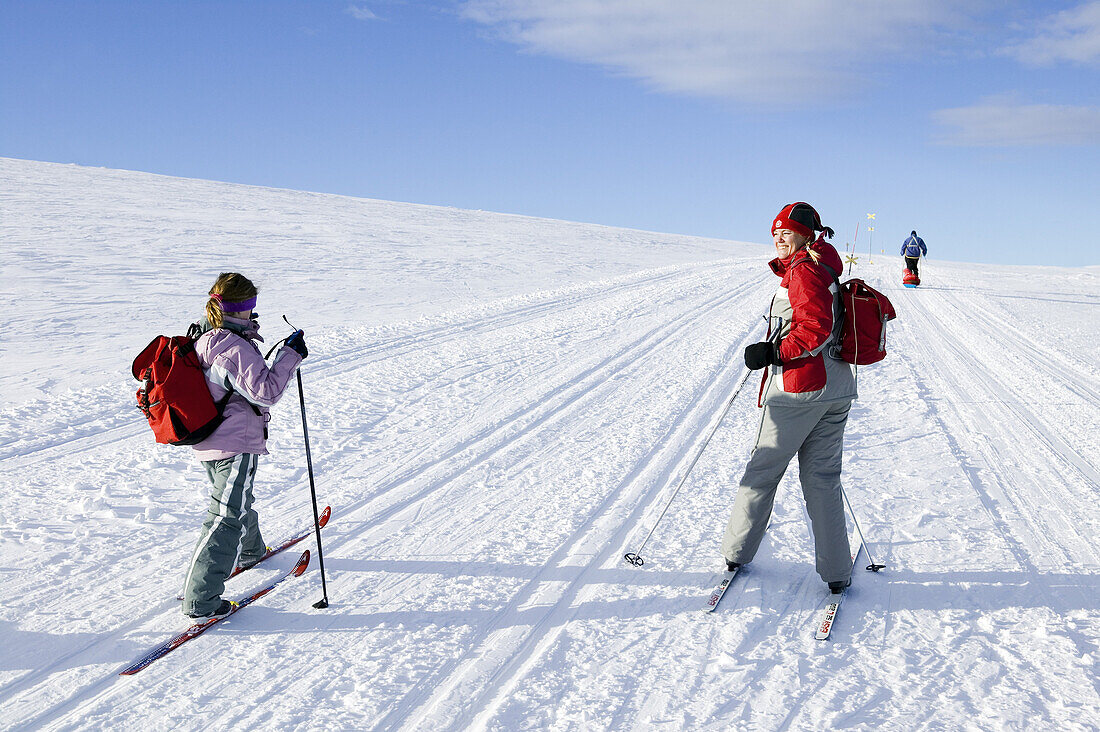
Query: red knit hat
x,y
800,218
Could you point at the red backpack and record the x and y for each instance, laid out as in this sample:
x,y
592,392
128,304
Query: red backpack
x,y
862,340
175,398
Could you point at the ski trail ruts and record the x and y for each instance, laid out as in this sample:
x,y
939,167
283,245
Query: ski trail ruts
x,y
349,509
1058,448
115,638
959,452
751,634
135,426
1004,493
508,646
550,402
1032,500
377,524
1017,343
41,674
624,358
559,300
1078,387
538,413
647,343
52,715
556,301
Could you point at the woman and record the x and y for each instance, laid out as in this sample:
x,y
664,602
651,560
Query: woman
x,y
806,395
236,373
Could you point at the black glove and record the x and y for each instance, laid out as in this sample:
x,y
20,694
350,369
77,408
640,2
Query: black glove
x,y
761,354
297,343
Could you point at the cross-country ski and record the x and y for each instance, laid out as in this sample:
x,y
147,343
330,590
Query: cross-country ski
x,y
162,649
326,514
823,626
322,521
719,590
827,616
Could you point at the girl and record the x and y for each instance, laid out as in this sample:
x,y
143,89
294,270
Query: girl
x,y
238,375
806,395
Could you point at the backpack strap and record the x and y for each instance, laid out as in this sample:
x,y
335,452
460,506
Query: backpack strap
x,y
834,350
194,331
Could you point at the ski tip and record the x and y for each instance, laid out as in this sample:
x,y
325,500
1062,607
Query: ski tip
x,y
303,562
325,515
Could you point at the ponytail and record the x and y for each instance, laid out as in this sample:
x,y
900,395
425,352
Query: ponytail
x,y
214,312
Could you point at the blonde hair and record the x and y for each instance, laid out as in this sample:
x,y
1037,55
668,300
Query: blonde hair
x,y
805,244
230,287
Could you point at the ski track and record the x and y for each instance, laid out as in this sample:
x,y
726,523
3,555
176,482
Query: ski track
x,y
596,376
23,454
465,444
534,415
1004,492
565,555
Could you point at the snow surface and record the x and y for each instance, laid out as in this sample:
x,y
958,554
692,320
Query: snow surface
x,y
499,407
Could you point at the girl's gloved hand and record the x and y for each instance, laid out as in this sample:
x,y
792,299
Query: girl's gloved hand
x,y
297,343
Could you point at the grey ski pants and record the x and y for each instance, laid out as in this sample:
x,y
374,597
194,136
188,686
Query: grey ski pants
x,y
814,432
230,534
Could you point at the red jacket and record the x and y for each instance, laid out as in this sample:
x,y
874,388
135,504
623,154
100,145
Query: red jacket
x,y
805,317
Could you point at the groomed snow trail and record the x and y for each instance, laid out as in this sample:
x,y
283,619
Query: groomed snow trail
x,y
489,460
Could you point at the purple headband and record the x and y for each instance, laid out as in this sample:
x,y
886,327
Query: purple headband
x,y
235,307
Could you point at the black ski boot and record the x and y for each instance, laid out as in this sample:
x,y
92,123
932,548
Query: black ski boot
x,y
227,607
839,586
732,566
250,562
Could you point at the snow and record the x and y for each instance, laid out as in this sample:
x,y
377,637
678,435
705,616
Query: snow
x,y
499,408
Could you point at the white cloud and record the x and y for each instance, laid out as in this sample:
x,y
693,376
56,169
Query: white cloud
x,y
1006,122
361,13
1071,35
783,52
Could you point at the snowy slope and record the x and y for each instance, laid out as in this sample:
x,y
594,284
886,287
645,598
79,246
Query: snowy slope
x,y
499,407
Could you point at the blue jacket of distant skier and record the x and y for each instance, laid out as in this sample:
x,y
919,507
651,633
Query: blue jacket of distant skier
x,y
914,247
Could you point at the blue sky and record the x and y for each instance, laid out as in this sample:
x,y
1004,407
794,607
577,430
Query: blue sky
x,y
978,124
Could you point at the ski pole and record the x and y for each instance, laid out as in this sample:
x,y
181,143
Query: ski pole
x,y
872,567
635,558
323,602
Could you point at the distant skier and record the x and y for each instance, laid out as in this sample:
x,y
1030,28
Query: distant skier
x,y
806,395
235,368
913,249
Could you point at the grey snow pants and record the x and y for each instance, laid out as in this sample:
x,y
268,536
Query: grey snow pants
x,y
814,432
230,534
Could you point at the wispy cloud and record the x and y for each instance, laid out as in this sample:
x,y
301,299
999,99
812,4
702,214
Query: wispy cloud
x,y
360,12
1071,35
778,52
1005,122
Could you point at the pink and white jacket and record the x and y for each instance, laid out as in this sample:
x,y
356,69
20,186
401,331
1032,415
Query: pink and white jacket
x,y
232,362
805,320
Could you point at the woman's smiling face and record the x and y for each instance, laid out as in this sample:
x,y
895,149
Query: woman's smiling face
x,y
787,242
